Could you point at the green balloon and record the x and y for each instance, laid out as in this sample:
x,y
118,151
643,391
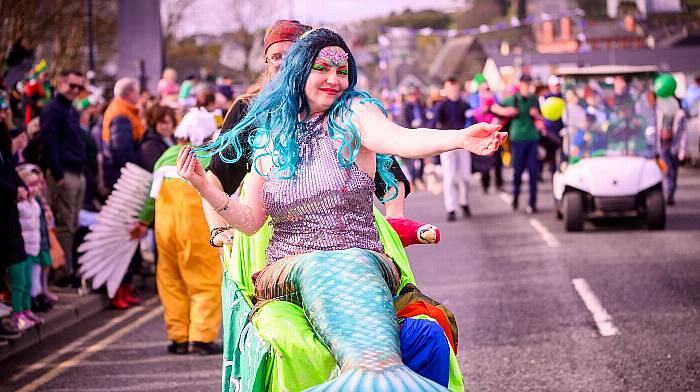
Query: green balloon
x,y
479,78
553,108
664,85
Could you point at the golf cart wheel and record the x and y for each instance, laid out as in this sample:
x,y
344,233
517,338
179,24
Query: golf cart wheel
x,y
557,210
656,210
573,211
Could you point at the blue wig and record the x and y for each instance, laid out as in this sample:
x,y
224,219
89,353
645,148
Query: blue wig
x,y
274,113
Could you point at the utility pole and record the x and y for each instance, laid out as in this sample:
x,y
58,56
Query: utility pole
x,y
91,44
522,9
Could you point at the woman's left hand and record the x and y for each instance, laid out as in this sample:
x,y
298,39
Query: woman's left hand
x,y
483,138
225,237
189,168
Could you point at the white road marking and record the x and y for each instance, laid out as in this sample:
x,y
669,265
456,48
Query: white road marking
x,y
128,362
505,197
123,346
152,386
603,320
59,368
50,360
192,374
546,235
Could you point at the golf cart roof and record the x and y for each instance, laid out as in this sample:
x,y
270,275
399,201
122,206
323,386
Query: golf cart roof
x,y
607,70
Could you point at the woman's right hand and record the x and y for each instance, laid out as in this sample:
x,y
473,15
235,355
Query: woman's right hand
x,y
189,168
483,139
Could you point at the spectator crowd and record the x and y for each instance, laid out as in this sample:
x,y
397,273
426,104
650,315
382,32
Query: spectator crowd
x,y
63,143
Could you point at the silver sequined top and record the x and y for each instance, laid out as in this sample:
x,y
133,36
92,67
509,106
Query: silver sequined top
x,y
324,206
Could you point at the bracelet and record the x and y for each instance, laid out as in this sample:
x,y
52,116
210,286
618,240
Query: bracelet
x,y
216,231
217,208
224,205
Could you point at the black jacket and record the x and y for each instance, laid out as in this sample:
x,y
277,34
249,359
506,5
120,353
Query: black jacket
x,y
119,150
450,114
409,114
11,242
231,174
151,148
63,139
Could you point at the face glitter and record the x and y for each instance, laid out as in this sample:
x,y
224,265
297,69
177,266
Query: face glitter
x,y
333,55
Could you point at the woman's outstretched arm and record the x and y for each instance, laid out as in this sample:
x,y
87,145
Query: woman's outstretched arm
x,y
246,216
382,136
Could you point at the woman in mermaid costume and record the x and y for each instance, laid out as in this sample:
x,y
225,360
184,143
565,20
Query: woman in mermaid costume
x,y
316,140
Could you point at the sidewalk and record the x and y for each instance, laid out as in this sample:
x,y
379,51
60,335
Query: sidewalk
x,y
71,309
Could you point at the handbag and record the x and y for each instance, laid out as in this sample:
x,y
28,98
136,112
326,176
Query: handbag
x,y
58,257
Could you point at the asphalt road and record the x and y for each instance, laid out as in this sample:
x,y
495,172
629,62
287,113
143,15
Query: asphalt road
x,y
508,277
524,327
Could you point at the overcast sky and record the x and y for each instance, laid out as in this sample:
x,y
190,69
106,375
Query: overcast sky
x,y
213,16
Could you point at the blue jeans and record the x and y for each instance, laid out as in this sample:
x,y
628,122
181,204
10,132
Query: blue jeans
x,y
672,164
524,154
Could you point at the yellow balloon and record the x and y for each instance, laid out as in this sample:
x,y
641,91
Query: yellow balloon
x,y
553,108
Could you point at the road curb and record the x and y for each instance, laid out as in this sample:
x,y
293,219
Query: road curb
x,y
71,309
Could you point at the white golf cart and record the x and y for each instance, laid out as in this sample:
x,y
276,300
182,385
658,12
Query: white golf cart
x,y
608,165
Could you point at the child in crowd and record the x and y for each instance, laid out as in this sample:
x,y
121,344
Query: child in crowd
x,y
21,273
42,298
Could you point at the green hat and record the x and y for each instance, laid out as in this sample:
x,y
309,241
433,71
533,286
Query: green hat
x,y
479,78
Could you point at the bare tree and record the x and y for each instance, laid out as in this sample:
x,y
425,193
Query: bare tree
x,y
57,30
248,17
172,14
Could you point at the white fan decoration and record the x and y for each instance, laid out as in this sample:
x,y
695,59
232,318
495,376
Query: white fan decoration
x,y
108,247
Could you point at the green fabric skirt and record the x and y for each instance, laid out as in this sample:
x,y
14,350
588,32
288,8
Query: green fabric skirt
x,y
275,349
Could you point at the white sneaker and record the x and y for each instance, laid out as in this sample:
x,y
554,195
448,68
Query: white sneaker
x,y
22,322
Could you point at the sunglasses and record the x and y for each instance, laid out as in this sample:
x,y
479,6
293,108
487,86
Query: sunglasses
x,y
274,59
78,87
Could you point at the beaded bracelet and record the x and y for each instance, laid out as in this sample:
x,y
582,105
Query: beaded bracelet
x,y
216,231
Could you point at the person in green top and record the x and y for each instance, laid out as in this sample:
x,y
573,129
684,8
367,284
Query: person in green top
x,y
186,97
524,138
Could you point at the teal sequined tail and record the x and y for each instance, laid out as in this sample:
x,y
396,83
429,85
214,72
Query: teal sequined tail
x,y
347,299
396,379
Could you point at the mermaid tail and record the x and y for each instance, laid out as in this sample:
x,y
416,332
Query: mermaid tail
x,y
399,378
347,299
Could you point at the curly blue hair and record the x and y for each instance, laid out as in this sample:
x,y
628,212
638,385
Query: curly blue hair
x,y
274,114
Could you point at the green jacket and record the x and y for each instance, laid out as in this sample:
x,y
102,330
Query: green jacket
x,y
522,126
169,158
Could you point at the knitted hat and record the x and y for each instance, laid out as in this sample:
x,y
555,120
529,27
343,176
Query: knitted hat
x,y
283,30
